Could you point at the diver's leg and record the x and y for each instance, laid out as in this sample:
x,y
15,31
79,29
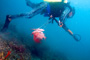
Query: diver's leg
x,y
9,18
40,7
32,13
7,21
33,5
30,4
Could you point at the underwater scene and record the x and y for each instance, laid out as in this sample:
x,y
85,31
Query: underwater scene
x,y
44,30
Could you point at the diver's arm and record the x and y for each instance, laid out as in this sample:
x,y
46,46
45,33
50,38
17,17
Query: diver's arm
x,y
63,16
68,30
62,23
62,20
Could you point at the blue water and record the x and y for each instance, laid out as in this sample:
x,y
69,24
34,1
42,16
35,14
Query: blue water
x,y
57,38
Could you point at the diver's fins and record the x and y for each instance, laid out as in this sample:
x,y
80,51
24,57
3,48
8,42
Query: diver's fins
x,y
5,27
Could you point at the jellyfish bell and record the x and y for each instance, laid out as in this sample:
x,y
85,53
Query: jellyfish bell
x,y
38,35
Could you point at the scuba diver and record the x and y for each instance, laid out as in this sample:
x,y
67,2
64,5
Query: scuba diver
x,y
49,8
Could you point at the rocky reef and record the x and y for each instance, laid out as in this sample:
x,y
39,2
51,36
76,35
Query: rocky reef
x,y
14,47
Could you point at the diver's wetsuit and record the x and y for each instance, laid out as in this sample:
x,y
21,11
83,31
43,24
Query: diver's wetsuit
x,y
61,10
55,10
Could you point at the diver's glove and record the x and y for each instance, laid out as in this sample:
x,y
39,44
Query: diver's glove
x,y
60,24
77,37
